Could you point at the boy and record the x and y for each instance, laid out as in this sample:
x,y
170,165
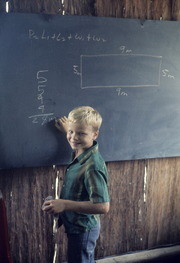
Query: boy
x,y
84,193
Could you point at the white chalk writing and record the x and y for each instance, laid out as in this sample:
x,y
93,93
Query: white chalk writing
x,y
120,92
41,117
76,70
125,50
166,74
41,87
59,37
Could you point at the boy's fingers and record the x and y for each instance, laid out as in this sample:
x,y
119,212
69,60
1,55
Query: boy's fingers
x,y
46,205
63,119
48,202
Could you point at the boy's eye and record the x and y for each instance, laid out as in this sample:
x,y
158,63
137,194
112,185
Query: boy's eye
x,y
78,133
82,133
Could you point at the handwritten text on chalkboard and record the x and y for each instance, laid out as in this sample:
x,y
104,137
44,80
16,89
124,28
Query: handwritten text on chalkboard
x,y
42,117
59,37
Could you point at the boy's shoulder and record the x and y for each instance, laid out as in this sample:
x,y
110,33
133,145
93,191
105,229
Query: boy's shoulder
x,y
94,160
91,154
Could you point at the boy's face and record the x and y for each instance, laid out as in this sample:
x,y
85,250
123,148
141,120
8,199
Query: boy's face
x,y
81,136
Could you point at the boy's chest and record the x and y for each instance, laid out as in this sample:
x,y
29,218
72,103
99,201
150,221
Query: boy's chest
x,y
74,182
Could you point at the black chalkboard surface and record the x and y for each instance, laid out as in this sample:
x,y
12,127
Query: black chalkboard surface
x,y
128,69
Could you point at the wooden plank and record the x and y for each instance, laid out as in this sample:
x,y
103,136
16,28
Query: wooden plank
x,y
155,9
76,7
163,255
162,201
122,227
36,6
159,10
31,230
176,10
110,8
5,254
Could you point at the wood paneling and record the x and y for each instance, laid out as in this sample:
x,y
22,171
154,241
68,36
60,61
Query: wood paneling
x,y
175,10
163,197
36,6
142,9
123,226
76,7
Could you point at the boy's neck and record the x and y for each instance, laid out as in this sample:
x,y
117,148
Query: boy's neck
x,y
78,153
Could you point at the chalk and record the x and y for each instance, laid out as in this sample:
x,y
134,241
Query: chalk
x,y
47,199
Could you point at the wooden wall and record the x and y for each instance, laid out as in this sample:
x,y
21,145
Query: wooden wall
x,y
145,194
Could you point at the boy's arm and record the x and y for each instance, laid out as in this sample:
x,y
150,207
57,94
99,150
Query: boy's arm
x,y
62,124
85,207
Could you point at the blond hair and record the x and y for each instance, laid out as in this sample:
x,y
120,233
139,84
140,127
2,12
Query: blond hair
x,y
86,115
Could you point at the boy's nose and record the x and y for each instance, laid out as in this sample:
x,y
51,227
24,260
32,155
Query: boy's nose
x,y
74,136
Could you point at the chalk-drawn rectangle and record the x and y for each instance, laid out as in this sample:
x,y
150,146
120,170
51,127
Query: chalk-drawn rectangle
x,y
120,70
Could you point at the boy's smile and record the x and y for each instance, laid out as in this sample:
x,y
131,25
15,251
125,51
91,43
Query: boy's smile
x,y
80,137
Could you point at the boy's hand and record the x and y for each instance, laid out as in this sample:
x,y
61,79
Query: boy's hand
x,y
53,206
86,207
62,124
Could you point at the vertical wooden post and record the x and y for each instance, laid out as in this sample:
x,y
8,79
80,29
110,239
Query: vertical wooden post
x,y
5,256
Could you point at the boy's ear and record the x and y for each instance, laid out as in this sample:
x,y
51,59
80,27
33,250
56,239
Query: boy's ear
x,y
96,133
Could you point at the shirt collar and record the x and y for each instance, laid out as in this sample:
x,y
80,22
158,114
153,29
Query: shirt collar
x,y
85,155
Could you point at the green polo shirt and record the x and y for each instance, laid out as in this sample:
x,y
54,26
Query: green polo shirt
x,y
85,180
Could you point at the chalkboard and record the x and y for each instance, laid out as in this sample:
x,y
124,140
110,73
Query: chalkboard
x,y
127,69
